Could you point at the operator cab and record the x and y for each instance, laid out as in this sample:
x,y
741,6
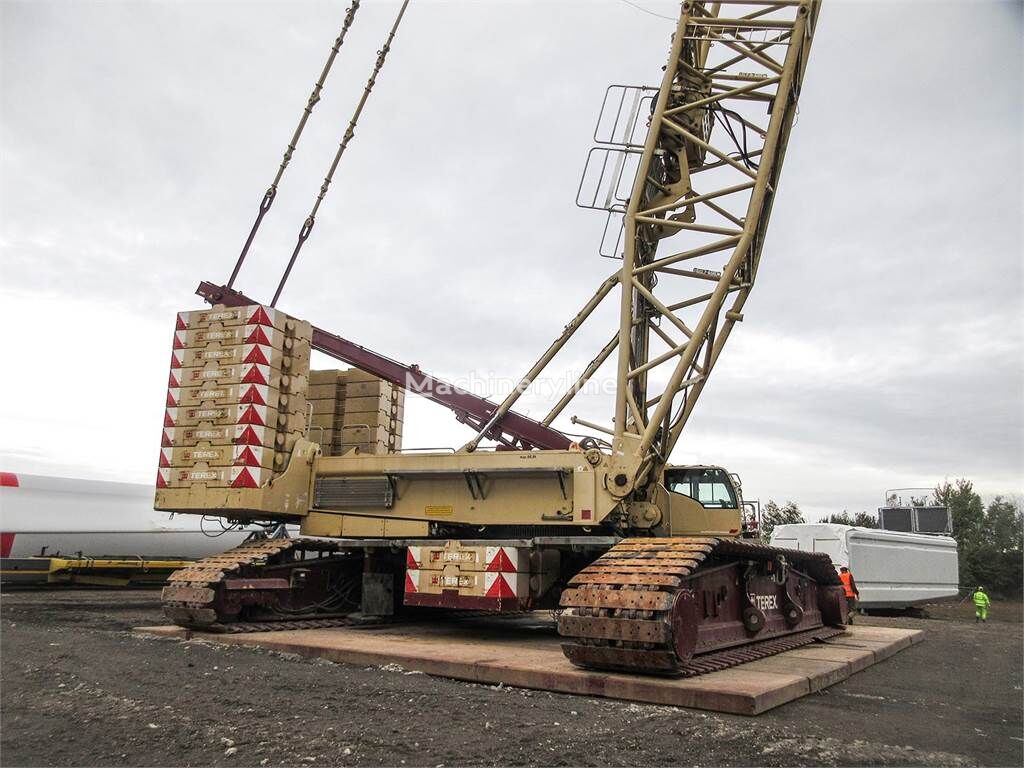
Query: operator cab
x,y
703,501
711,486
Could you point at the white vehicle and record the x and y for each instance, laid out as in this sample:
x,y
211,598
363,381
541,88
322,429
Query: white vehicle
x,y
892,569
59,516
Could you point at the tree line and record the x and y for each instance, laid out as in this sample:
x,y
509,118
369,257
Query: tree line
x,y
990,539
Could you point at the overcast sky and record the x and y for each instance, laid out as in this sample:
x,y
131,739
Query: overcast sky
x,y
883,343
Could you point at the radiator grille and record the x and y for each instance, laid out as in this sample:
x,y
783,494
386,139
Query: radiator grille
x,y
353,493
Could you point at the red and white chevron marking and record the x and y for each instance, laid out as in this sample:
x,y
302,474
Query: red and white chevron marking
x,y
224,374
413,560
217,455
501,585
502,559
239,434
254,314
257,354
255,394
241,334
234,413
233,477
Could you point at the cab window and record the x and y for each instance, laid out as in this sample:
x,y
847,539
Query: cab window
x,y
708,485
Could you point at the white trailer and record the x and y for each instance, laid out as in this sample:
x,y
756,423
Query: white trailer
x,y
892,569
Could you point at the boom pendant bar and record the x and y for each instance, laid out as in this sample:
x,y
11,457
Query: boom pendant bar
x,y
307,225
314,97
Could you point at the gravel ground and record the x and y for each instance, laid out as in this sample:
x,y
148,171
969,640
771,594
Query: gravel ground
x,y
78,688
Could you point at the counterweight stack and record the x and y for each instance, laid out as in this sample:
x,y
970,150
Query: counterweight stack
x,y
236,397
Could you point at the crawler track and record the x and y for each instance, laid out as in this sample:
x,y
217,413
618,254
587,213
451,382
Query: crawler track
x,y
251,588
689,605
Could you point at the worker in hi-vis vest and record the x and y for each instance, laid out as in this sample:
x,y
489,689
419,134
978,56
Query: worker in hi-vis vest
x,y
981,604
850,591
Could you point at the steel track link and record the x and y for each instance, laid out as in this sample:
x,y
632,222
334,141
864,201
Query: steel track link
x,y
238,627
712,662
617,611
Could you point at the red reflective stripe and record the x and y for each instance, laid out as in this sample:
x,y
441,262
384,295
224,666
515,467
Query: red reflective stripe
x,y
244,480
248,437
8,480
251,416
500,588
259,317
252,395
501,563
256,356
6,544
254,376
257,337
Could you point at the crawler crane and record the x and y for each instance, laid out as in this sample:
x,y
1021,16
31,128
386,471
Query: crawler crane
x,y
645,564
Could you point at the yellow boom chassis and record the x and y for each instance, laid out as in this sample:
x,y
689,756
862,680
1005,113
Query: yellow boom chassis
x,y
415,494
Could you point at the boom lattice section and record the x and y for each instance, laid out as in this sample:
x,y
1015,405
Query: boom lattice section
x,y
705,179
705,185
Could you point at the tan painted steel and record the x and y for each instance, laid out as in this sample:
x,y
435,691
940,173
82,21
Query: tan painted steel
x,y
351,409
482,488
287,496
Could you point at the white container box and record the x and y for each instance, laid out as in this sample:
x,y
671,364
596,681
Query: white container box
x,y
892,569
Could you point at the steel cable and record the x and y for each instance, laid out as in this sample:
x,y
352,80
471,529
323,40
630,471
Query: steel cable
x,y
314,97
307,225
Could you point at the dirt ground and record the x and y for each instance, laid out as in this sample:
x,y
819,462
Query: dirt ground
x,y
78,688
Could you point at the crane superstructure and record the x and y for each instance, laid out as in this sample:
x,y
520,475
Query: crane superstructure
x,y
645,562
